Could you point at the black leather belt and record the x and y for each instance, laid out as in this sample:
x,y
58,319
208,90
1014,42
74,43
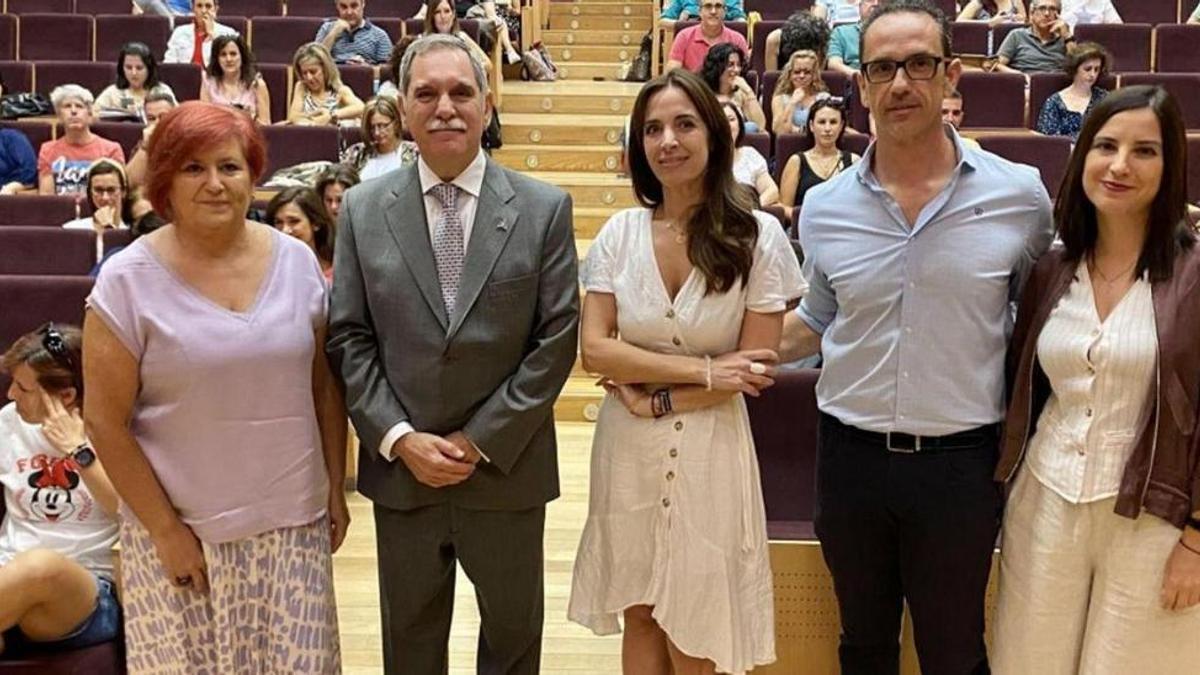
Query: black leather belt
x,y
895,441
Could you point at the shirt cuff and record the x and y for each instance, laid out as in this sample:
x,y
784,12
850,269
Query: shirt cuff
x,y
398,431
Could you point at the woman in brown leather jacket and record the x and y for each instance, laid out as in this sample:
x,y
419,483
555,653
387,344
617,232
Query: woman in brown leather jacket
x,y
1100,561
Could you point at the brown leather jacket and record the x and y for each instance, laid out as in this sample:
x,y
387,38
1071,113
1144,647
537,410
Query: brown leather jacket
x,y
1163,473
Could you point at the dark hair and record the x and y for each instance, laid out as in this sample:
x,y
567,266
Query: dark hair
x,y
717,60
313,207
249,66
140,50
430,7
392,69
105,167
722,230
741,122
1084,52
1167,231
954,93
344,175
55,373
911,7
803,31
832,103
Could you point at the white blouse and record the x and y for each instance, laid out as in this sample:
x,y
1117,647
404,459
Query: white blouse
x,y
748,165
1100,375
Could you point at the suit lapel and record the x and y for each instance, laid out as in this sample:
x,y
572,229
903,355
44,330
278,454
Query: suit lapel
x,y
494,222
405,216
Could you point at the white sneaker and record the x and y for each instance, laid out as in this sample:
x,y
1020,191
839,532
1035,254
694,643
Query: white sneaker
x,y
513,57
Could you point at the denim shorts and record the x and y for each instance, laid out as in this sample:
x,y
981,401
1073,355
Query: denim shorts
x,y
102,625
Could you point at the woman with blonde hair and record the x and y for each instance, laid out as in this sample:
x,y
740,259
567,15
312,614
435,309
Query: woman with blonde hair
x,y
798,87
319,97
383,148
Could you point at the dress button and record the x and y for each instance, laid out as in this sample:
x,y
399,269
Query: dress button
x,y
670,475
670,314
679,426
666,502
673,452
675,341
1088,412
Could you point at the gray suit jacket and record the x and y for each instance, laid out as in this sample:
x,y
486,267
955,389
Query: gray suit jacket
x,y
492,370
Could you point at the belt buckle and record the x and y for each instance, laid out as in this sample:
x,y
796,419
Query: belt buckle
x,y
907,451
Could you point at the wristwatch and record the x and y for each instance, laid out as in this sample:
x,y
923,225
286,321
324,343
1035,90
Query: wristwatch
x,y
84,455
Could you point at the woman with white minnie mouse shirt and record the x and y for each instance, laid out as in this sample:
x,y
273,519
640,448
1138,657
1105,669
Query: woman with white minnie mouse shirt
x,y
59,528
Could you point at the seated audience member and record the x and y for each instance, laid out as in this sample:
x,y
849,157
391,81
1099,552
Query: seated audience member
x,y
1063,113
352,38
163,7
56,559
157,105
390,73
440,18
836,12
1041,47
18,162
332,184
995,12
494,25
797,89
137,76
319,97
1195,17
384,149
64,162
108,196
232,79
845,39
1075,12
298,212
683,10
749,167
144,221
801,31
192,42
722,71
824,160
691,45
953,113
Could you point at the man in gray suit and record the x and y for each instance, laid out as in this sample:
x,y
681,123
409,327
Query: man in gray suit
x,y
453,323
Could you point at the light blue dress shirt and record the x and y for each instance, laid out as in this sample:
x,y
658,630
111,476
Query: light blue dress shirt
x,y
915,321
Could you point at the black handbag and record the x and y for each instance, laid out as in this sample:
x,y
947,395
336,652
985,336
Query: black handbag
x,y
24,104
492,136
639,69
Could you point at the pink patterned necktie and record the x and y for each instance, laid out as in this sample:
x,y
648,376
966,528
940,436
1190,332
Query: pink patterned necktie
x,y
448,249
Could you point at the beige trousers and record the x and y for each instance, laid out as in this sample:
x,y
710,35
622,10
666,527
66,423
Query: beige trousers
x,y
1079,591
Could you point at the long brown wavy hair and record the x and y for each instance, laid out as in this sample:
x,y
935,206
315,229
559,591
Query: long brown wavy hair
x,y
722,230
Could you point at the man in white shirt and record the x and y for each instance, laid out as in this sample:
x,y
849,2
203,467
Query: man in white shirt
x,y
192,42
1089,11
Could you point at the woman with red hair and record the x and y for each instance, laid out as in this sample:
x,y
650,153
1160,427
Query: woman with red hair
x,y
214,410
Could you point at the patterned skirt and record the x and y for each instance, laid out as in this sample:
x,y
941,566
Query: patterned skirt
x,y
270,606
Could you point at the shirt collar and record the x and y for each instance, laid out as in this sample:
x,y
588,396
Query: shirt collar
x,y
965,162
469,181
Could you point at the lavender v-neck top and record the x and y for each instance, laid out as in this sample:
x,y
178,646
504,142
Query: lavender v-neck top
x,y
224,411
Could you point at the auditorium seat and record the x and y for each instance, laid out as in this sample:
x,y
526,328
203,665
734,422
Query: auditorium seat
x,y
1151,11
276,77
46,250
1177,49
125,134
289,145
18,75
253,8
37,210
183,78
114,30
758,46
111,239
64,37
91,75
56,298
394,8
8,37
37,131
1128,43
392,25
239,23
360,79
776,9
1185,87
787,145
784,423
970,37
1048,154
275,39
94,7
761,142
766,94
348,136
993,100
314,8
999,32
1193,169
39,6
1043,85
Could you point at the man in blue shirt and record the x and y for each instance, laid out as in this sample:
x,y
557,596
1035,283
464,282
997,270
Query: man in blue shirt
x,y
351,38
844,40
682,10
914,259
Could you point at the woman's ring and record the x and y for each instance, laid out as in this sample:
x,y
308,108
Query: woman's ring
x,y
183,581
757,368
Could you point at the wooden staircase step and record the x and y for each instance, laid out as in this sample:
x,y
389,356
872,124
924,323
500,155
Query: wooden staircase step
x,y
625,38
590,8
539,129
591,70
618,196
546,102
589,219
566,55
639,24
590,158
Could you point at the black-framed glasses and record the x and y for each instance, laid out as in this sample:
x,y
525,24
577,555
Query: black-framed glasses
x,y
916,67
1047,9
56,345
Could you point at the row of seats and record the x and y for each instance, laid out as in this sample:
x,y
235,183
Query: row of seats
x,y
75,37
321,8
30,250
1132,11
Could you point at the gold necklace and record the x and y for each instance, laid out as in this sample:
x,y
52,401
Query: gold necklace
x,y
680,235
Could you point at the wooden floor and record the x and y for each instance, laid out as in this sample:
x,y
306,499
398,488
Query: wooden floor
x,y
566,648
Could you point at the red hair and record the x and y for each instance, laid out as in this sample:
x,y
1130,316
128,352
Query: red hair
x,y
189,129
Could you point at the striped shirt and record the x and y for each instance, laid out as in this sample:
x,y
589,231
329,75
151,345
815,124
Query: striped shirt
x,y
1100,375
368,41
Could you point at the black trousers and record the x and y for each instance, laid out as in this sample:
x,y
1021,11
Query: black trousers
x,y
916,527
501,553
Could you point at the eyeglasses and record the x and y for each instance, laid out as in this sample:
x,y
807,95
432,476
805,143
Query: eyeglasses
x,y
56,345
1047,9
713,7
105,190
382,127
916,67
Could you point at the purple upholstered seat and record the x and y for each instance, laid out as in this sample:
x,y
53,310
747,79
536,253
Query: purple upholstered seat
x,y
55,37
94,7
1048,154
1193,174
125,134
971,37
1001,31
1185,87
1043,85
183,78
8,37
114,30
1150,11
360,79
256,8
1128,43
37,210
993,100
46,250
784,422
40,6
91,75
776,9
36,131
313,8
276,77
760,141
290,145
27,302
758,46
417,26
275,39
18,75
1177,49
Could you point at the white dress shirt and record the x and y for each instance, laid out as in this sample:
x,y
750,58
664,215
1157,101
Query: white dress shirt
x,y
1100,375
470,183
1075,12
183,42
